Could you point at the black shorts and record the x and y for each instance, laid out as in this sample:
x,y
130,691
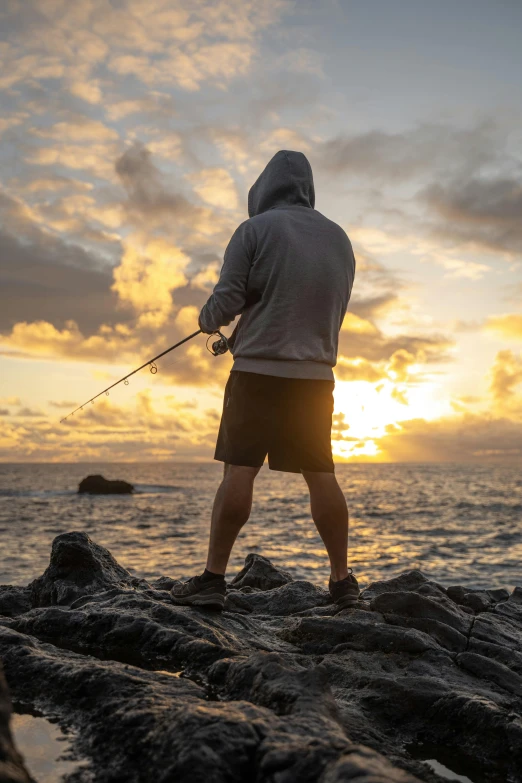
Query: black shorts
x,y
290,419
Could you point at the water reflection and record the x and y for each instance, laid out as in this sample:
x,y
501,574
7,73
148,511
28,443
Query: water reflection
x,y
44,746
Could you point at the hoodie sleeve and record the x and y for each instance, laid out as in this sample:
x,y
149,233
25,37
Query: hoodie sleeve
x,y
229,296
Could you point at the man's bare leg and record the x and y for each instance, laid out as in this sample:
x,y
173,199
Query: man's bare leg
x,y
330,514
231,510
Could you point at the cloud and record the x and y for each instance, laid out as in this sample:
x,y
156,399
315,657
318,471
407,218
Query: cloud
x,y
508,325
147,194
63,404
186,44
394,157
465,438
79,128
215,186
150,425
483,212
148,273
10,401
44,277
28,413
505,378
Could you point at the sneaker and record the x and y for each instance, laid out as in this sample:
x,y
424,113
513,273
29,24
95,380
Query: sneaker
x,y
198,592
345,592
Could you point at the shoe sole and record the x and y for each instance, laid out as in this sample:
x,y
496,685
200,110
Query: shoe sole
x,y
347,601
213,600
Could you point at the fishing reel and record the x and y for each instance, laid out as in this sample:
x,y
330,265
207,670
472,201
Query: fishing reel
x,y
218,347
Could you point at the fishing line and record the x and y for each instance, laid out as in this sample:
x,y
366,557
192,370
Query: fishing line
x,y
218,347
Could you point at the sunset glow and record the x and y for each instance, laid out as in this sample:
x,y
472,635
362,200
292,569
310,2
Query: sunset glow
x,y
130,134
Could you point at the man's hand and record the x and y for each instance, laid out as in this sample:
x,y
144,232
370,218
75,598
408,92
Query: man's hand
x,y
204,328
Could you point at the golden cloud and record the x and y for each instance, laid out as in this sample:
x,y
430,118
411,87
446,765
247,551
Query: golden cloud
x,y
215,186
353,323
508,325
505,378
148,273
149,426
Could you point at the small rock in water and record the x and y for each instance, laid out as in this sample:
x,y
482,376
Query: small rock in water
x,y
98,485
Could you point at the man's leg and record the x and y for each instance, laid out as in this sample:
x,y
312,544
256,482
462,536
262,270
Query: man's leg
x,y
231,510
330,514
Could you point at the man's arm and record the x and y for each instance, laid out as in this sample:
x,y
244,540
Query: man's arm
x,y
229,296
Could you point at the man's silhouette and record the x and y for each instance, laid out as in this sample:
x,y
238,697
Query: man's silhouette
x,y
288,270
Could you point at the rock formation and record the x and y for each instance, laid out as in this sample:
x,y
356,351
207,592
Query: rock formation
x,y
279,688
98,485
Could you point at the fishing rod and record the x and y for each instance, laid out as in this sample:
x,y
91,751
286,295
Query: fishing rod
x,y
218,347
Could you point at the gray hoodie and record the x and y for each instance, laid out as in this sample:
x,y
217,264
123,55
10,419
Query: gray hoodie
x,y
288,270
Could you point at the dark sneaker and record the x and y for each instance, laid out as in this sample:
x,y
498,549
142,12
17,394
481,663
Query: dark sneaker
x,y
199,592
346,592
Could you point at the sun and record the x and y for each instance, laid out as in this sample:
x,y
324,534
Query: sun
x,y
369,410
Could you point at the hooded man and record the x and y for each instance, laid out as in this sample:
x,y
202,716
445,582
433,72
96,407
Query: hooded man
x,y
288,271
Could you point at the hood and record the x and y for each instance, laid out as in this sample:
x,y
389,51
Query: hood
x,y
287,179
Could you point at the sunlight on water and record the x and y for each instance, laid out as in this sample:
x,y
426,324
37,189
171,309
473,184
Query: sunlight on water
x,y
457,523
44,747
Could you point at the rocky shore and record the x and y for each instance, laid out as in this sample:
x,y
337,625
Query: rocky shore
x,y
279,688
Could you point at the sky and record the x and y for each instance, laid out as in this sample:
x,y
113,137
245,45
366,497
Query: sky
x,y
130,133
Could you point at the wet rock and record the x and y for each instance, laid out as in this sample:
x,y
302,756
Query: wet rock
x,y
12,768
259,572
98,485
281,687
78,567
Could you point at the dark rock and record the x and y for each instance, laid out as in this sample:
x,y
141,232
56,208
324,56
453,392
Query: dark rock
x,y
477,600
98,485
363,765
287,599
12,769
259,572
413,581
415,605
516,596
14,600
498,594
78,567
279,688
487,669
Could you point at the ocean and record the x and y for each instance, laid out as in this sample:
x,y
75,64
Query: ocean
x,y
458,524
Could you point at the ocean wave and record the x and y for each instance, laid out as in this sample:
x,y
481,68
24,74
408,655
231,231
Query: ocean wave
x,y
36,493
497,507
156,489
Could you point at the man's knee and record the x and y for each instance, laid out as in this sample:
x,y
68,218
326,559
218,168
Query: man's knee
x,y
319,479
240,472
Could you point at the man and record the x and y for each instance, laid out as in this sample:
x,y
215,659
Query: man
x,y
288,270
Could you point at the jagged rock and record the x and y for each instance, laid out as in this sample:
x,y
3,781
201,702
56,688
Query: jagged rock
x,y
78,567
14,600
287,599
409,581
279,688
12,769
98,485
410,604
477,600
259,572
